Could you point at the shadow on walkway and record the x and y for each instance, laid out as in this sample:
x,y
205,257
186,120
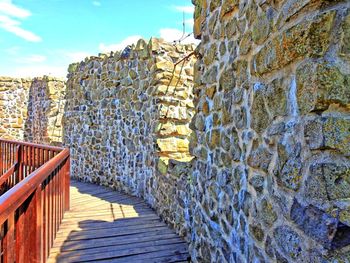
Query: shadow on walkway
x,y
107,226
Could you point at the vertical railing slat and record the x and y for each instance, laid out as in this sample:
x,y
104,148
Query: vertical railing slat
x,y
9,240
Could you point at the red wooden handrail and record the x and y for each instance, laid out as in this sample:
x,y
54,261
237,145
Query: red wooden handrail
x,y
17,195
42,146
32,210
6,175
10,172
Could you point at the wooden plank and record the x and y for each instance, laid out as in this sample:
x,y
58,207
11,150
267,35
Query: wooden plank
x,y
166,256
88,223
111,254
117,223
114,241
103,234
112,230
109,240
101,192
94,190
100,195
119,247
105,217
105,206
92,202
122,213
111,198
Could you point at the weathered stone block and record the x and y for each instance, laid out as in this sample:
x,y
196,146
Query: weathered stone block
x,y
319,85
267,212
329,133
260,116
211,55
307,39
313,133
162,166
291,8
227,79
257,232
288,241
228,7
164,65
213,139
328,180
337,180
345,40
241,72
172,145
199,17
260,29
289,163
276,98
245,44
336,132
257,181
260,158
316,223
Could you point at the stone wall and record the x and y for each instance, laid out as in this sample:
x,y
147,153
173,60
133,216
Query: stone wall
x,y
32,109
13,107
271,178
45,111
269,107
127,114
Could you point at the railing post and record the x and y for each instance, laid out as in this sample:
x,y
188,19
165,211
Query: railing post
x,y
1,157
29,230
37,255
19,164
66,184
9,240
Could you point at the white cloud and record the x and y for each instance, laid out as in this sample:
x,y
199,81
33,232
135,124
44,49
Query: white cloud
x,y
96,3
119,46
189,22
10,9
76,56
30,59
37,71
187,9
172,34
13,51
9,15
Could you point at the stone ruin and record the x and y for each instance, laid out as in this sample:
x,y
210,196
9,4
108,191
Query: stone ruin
x,y
243,147
32,109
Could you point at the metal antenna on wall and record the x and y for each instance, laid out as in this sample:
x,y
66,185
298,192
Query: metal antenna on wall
x,y
183,29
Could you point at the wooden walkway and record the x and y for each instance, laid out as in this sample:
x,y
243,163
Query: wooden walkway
x,y
107,226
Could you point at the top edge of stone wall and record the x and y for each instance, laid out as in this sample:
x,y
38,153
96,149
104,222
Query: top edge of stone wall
x,y
24,80
48,78
153,46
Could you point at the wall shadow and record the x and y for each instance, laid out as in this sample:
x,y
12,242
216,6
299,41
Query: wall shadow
x,y
43,123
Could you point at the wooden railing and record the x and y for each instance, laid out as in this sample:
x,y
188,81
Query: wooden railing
x,y
9,156
36,197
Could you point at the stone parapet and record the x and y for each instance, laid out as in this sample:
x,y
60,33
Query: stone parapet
x,y
128,113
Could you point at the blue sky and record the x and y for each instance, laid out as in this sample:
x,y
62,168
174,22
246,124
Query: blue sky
x,y
40,37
